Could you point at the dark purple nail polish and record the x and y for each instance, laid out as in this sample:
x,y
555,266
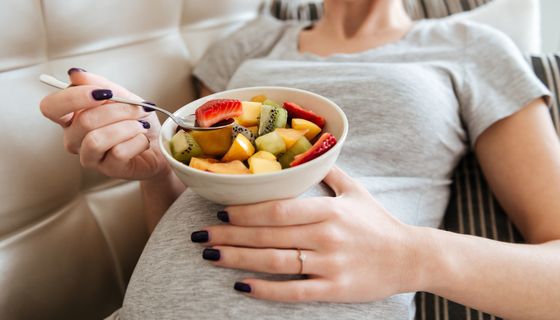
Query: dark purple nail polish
x,y
199,236
211,254
145,124
223,216
148,109
243,287
102,94
72,70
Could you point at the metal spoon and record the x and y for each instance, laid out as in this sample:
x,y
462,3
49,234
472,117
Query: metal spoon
x,y
188,122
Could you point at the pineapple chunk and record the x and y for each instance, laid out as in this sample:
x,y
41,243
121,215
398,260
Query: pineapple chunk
x,y
301,124
260,165
251,113
290,136
241,149
233,167
264,155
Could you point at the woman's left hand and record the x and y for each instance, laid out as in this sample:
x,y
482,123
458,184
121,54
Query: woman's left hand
x,y
355,251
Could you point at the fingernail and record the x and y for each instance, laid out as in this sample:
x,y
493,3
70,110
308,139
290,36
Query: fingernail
x,y
148,109
145,124
199,236
211,254
243,287
72,70
223,216
102,94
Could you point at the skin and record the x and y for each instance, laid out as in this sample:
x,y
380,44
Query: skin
x,y
520,157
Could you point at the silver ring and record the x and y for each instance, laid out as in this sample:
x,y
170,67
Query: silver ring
x,y
301,257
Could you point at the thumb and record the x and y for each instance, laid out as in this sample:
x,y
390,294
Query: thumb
x,y
339,181
80,77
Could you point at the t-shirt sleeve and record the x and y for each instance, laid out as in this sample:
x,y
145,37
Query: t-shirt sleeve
x,y
497,80
223,58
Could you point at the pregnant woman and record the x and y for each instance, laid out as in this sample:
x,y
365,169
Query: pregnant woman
x,y
417,96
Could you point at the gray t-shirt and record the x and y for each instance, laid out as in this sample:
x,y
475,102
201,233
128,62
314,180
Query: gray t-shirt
x,y
414,107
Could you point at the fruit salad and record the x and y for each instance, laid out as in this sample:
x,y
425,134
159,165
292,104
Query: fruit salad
x,y
265,137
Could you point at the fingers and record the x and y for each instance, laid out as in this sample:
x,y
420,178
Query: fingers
x,y
287,291
340,182
124,152
59,105
96,117
280,213
264,260
98,142
263,237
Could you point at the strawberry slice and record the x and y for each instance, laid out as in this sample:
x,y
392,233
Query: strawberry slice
x,y
295,111
217,110
324,144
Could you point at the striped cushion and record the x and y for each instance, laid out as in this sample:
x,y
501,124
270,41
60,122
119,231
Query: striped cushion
x,y
417,9
472,207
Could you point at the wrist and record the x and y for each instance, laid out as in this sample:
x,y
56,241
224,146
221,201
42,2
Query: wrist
x,y
424,259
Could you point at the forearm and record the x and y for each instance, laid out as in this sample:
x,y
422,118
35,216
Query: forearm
x,y
514,281
158,194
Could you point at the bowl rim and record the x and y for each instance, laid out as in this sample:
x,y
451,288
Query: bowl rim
x,y
261,176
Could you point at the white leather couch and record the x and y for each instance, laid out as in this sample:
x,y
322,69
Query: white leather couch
x,y
69,238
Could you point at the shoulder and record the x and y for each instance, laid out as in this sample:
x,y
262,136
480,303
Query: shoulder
x,y
258,35
464,33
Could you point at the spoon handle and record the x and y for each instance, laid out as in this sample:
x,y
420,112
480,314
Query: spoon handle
x,y
54,82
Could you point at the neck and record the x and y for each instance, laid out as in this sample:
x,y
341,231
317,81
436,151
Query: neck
x,y
358,18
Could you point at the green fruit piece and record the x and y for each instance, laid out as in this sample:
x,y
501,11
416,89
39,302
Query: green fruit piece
x,y
272,103
299,147
184,147
237,129
272,118
271,142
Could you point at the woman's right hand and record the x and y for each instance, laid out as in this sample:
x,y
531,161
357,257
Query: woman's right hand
x,y
116,139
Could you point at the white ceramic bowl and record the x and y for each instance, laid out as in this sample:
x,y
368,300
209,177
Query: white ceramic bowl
x,y
229,189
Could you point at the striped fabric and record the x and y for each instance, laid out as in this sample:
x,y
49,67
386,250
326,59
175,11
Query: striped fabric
x,y
474,210
417,9
472,207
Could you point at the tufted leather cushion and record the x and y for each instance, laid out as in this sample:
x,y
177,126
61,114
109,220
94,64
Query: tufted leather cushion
x,y
69,238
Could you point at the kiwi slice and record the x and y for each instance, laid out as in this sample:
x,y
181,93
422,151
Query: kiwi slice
x,y
184,147
237,129
301,145
271,118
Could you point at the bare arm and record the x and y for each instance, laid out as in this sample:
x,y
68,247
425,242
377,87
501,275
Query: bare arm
x,y
160,192
520,157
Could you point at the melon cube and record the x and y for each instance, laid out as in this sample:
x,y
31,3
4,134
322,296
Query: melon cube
x,y
271,142
290,136
233,167
202,164
213,142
